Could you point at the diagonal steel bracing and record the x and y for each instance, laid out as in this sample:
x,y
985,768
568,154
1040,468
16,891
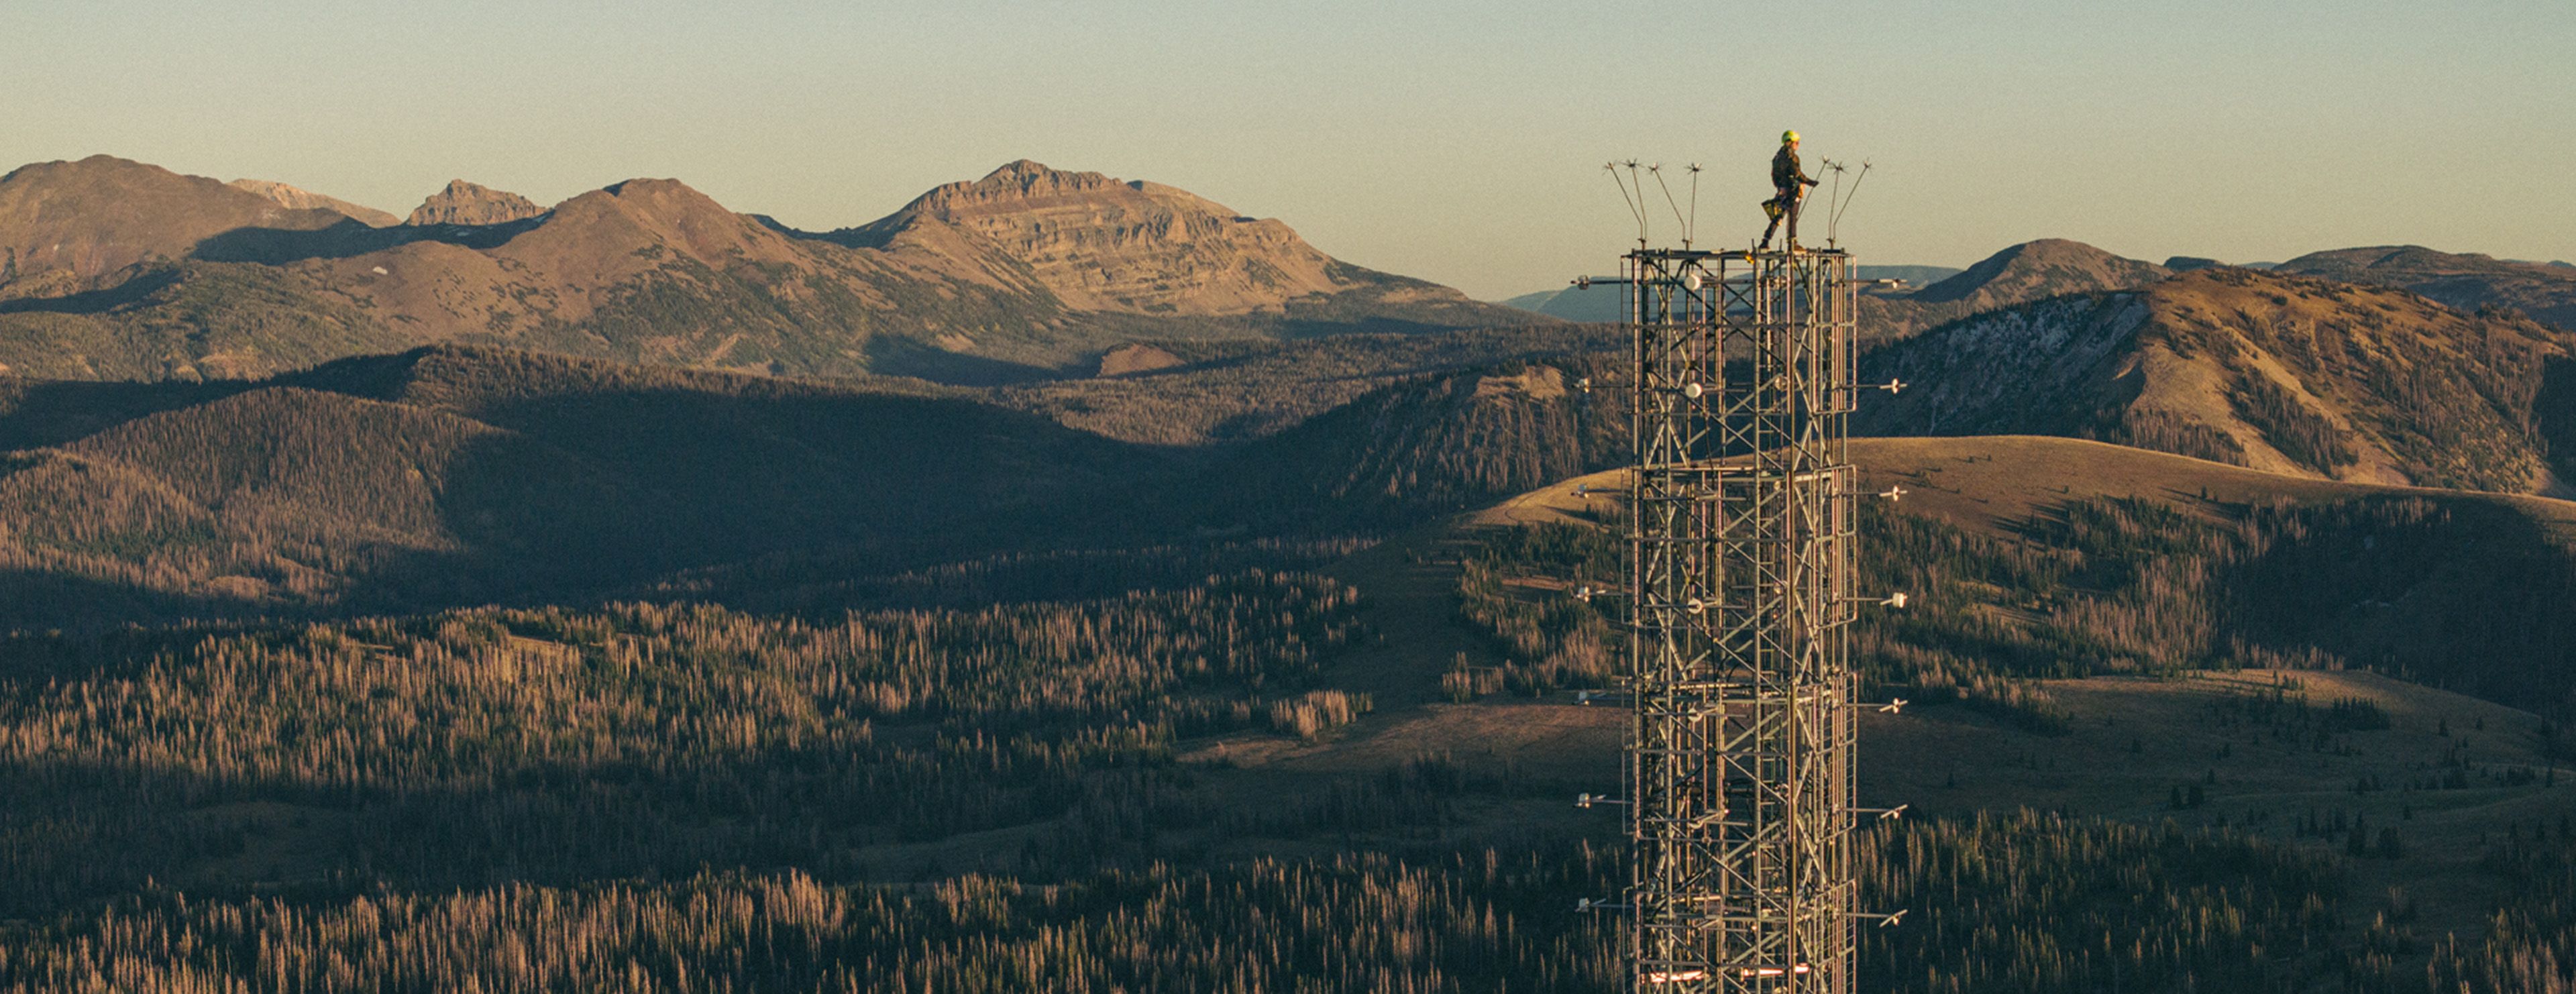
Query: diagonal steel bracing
x,y
1740,748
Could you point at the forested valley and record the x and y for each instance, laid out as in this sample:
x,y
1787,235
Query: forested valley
x,y
475,669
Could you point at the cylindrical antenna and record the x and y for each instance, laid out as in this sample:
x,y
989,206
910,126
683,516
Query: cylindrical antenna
x,y
1831,198
1690,229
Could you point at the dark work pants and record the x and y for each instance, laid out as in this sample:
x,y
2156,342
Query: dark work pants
x,y
1790,201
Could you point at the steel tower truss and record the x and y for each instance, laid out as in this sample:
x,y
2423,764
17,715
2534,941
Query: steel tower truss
x,y
1740,755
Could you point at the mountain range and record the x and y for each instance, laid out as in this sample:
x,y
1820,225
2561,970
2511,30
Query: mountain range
x,y
116,269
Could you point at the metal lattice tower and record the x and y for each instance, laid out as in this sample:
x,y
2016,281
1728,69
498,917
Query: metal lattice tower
x,y
1740,755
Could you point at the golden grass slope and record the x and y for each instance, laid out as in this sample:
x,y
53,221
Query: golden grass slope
x,y
1986,482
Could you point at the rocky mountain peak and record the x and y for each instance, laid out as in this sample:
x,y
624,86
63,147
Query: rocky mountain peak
x,y
472,204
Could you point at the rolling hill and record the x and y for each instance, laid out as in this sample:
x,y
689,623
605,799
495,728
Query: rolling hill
x,y
2468,282
2020,274
2276,372
113,269
69,227
457,474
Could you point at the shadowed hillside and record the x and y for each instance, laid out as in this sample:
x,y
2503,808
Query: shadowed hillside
x,y
464,474
455,474
1432,446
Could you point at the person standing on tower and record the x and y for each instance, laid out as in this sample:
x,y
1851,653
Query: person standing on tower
x,y
1790,183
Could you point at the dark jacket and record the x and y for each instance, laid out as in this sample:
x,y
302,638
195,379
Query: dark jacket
x,y
1785,174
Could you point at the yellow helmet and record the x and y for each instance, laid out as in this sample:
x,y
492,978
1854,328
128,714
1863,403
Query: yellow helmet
x,y
1788,136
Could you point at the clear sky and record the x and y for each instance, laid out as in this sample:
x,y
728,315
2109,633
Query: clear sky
x,y
1459,142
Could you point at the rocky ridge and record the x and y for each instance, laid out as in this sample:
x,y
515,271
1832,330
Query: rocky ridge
x,y
472,204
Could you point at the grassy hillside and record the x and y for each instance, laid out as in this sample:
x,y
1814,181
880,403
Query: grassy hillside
x,y
2278,373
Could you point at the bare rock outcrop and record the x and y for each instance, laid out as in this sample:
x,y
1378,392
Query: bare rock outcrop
x,y
469,203
305,200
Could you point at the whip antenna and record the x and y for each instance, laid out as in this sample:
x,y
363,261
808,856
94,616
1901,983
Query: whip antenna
x,y
1837,218
1636,203
1832,214
1638,182
1658,170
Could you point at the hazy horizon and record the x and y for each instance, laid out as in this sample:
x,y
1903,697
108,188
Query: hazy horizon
x,y
1457,144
